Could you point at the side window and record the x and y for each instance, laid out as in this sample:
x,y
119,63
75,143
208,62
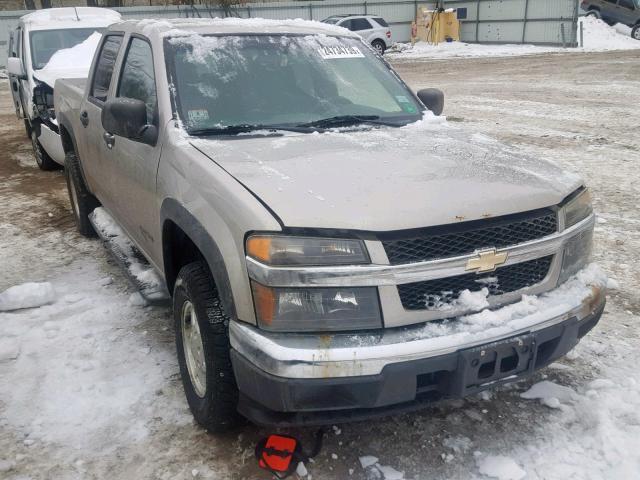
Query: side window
x,y
627,4
137,79
104,67
358,24
346,24
381,22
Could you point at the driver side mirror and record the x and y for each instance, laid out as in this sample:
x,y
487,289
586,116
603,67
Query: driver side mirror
x,y
16,68
433,99
127,117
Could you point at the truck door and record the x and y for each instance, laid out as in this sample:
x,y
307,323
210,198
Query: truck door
x,y
627,12
134,163
95,157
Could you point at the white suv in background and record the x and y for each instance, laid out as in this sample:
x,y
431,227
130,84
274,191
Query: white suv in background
x,y
373,29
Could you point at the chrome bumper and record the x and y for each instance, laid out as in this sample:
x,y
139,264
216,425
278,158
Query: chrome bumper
x,y
299,356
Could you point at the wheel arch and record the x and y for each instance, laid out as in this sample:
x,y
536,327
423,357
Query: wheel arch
x,y
66,135
181,233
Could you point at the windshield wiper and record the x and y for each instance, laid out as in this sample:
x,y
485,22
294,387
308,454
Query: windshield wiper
x,y
244,128
345,121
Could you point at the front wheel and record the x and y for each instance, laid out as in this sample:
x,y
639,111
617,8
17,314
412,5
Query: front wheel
x,y
379,46
635,32
202,343
44,161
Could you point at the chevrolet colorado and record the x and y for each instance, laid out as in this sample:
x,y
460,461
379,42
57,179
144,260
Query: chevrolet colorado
x,y
333,249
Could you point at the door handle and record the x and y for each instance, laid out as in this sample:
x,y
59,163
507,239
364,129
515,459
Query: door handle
x,y
109,139
84,118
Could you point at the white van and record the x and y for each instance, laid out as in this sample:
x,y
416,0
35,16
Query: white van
x,y
37,38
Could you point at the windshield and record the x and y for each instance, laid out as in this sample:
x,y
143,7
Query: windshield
x,y
44,43
264,80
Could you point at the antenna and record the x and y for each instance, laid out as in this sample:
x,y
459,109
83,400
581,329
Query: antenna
x,y
75,9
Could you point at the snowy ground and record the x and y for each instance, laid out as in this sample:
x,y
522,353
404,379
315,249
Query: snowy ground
x,y
598,37
89,384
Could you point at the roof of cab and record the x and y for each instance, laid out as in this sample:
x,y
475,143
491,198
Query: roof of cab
x,y
227,26
70,17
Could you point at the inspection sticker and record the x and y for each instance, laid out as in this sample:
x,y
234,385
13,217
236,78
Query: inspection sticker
x,y
340,51
198,115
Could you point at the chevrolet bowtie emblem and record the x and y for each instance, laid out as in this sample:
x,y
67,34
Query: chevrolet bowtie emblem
x,y
487,261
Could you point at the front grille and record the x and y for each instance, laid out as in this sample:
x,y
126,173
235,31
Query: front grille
x,y
436,294
465,238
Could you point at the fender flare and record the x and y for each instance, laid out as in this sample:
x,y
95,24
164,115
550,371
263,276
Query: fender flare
x,y
173,211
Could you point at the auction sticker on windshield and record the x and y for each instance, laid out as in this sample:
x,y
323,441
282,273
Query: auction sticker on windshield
x,y
340,51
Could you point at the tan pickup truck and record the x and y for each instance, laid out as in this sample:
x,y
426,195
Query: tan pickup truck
x,y
333,249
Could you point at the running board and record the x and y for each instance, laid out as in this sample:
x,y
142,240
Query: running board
x,y
139,271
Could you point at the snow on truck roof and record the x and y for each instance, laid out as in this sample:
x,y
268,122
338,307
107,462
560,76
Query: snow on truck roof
x,y
70,14
188,26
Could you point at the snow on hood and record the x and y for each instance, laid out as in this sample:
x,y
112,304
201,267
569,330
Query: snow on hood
x,y
425,174
73,62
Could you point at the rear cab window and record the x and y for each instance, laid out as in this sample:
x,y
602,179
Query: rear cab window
x,y
104,68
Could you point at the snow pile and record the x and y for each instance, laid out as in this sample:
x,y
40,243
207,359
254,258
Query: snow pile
x,y
370,463
73,62
87,375
500,467
27,295
598,37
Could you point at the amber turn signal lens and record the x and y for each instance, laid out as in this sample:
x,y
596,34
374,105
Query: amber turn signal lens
x,y
259,248
264,299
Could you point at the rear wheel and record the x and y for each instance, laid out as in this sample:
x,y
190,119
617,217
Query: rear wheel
x,y
594,13
82,202
202,343
44,161
379,46
635,32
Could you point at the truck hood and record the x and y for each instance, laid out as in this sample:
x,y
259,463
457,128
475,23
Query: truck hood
x,y
425,174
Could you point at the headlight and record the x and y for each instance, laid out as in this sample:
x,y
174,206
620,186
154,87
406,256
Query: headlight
x,y
578,208
577,254
316,309
280,250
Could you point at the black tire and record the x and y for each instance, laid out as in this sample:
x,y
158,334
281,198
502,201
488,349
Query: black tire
x,y
635,32
594,13
213,401
82,202
44,161
379,46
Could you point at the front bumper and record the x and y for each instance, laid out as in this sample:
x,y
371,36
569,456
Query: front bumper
x,y
289,379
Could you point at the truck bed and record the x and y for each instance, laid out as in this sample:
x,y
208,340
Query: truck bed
x,y
68,94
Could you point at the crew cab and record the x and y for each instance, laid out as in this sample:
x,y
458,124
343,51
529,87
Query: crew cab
x,y
333,248
36,39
